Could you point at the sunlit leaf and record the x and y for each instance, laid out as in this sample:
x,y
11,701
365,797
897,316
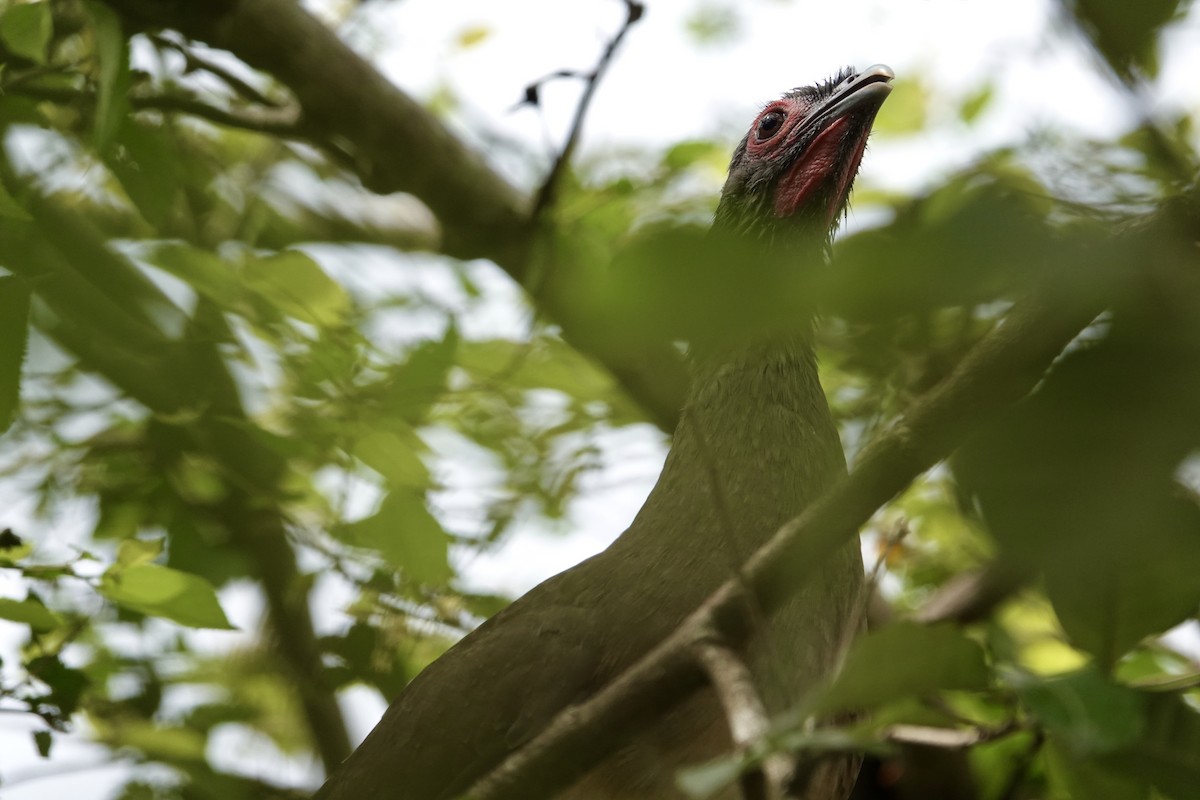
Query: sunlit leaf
x,y
164,592
406,535
28,612
472,35
395,456
297,286
133,552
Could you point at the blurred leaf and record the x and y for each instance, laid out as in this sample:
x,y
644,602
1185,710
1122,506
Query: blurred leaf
x,y
113,81
147,163
1126,33
164,592
713,23
204,271
29,612
1090,777
906,110
976,102
1079,481
66,684
298,287
416,383
472,35
1088,712
406,535
132,552
43,741
920,660
686,154
1168,754
26,28
9,207
707,779
14,335
395,456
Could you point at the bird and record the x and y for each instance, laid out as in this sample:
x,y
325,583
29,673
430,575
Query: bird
x,y
756,442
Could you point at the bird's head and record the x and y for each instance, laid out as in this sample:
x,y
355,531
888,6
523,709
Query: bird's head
x,y
790,177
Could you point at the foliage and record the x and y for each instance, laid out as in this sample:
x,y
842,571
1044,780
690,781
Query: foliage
x,y
247,388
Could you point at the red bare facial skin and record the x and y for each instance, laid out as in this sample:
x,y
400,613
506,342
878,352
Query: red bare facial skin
x,y
818,163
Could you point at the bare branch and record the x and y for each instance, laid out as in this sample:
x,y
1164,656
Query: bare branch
x,y
747,715
546,195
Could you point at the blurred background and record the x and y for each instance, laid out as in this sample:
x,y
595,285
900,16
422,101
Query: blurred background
x,y
274,441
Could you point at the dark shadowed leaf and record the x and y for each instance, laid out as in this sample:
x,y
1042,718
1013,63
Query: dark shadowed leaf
x,y
1168,754
14,334
112,53
1126,33
1088,713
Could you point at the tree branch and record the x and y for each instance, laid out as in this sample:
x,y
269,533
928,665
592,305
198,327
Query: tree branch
x,y
548,192
346,102
1000,370
747,715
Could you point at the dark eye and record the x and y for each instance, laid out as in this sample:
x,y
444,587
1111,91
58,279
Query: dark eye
x,y
769,125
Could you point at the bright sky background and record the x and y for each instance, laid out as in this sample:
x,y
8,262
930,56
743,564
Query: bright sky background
x,y
662,88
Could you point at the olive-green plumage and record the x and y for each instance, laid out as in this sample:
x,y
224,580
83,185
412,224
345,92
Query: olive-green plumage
x,y
755,444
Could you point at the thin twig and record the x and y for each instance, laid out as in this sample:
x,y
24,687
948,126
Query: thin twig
x,y
549,189
193,61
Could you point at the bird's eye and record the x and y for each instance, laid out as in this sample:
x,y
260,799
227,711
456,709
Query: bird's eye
x,y
769,125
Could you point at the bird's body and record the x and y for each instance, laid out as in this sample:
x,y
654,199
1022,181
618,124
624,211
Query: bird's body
x,y
755,444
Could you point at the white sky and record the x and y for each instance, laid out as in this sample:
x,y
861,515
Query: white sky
x,y
663,88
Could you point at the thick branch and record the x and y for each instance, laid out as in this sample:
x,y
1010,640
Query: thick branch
x,y
396,145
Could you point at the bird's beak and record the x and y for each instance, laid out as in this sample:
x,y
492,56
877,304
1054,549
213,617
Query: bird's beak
x,y
865,90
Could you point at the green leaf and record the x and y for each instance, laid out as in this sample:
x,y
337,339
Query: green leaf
x,y
406,535
132,552
1088,713
9,207
14,335
1168,753
164,592
206,272
112,90
1126,33
418,382
976,102
149,167
707,779
297,286
28,612
919,659
26,28
43,741
395,456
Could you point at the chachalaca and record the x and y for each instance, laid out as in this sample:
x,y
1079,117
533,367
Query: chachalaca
x,y
755,444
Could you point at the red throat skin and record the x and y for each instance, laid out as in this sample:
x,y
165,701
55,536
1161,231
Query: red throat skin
x,y
816,165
